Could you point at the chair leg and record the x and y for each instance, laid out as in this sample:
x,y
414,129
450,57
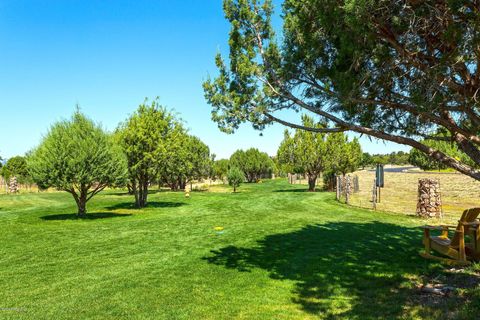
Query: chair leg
x,y
450,262
426,241
461,247
476,242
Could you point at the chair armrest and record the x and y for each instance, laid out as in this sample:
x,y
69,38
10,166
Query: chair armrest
x,y
473,224
441,227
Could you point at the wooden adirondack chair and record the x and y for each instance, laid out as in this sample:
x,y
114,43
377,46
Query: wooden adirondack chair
x,y
457,249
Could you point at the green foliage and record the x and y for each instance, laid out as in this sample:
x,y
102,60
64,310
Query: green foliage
x,y
367,160
278,168
380,159
235,177
220,169
313,153
16,167
253,163
77,156
419,160
188,159
374,67
395,158
345,156
148,141
304,152
425,163
398,158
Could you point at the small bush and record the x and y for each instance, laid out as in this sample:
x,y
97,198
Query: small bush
x,y
235,177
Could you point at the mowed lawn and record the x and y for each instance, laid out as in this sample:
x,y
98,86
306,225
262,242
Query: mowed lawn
x,y
283,254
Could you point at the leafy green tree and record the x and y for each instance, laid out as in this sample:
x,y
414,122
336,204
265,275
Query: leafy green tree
x,y
17,167
188,159
380,159
398,158
220,169
146,138
235,177
353,157
367,160
78,157
344,156
425,163
393,70
253,163
305,151
419,160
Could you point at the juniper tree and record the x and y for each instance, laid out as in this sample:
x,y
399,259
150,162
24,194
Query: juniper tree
x,y
145,138
79,157
220,168
393,70
235,177
252,162
187,159
305,152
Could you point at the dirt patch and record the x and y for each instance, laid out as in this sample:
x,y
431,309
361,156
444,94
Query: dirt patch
x,y
452,287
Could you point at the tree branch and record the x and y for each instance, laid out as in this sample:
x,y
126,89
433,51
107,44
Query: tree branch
x,y
296,126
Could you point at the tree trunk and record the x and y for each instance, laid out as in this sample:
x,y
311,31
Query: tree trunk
x,y
145,194
82,208
141,194
82,203
135,192
182,184
312,181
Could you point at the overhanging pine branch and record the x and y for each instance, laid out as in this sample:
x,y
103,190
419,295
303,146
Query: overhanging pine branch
x,y
296,126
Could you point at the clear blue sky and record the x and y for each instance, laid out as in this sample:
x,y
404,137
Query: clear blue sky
x,y
108,56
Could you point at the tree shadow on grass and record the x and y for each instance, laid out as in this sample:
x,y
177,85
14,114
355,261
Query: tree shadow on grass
x,y
152,204
298,190
152,191
341,270
89,216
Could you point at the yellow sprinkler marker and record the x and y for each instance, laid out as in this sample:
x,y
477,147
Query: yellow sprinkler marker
x,y
218,230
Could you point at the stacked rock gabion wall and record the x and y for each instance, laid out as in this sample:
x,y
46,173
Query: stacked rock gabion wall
x,y
345,187
13,186
429,201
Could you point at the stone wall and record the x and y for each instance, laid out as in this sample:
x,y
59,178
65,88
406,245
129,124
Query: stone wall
x,y
429,200
345,186
13,185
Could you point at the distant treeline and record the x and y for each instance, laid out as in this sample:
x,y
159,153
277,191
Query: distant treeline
x,y
395,158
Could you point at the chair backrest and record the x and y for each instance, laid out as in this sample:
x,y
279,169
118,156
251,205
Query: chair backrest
x,y
468,215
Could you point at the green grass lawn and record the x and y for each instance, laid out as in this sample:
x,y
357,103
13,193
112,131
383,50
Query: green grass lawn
x,y
284,254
